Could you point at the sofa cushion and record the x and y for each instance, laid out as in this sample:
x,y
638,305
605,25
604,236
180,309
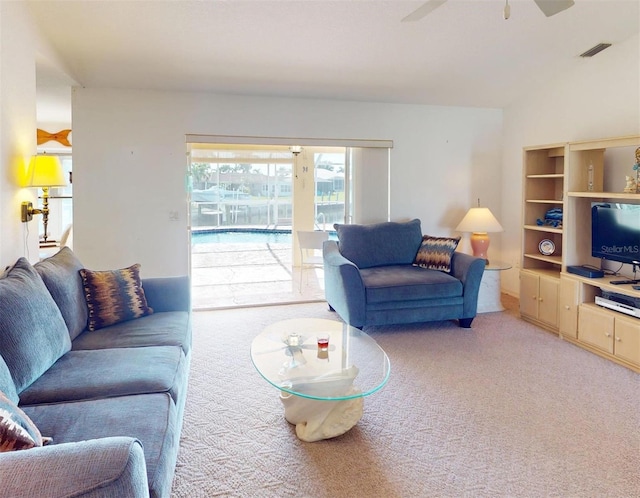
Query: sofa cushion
x,y
60,275
33,334
114,296
407,283
94,374
380,244
171,328
151,418
17,431
435,253
6,382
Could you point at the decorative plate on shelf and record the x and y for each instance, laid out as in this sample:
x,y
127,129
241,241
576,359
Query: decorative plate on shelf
x,y
546,247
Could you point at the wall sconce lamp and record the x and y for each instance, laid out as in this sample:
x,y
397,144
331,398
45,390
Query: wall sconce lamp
x,y
479,221
45,172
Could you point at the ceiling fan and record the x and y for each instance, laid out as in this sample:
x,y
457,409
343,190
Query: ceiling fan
x,y
548,7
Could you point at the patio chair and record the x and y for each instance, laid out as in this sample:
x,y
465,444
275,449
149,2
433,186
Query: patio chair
x,y
310,243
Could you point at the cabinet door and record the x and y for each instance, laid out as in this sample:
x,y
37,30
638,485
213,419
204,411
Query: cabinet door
x,y
595,327
627,339
529,294
548,300
568,307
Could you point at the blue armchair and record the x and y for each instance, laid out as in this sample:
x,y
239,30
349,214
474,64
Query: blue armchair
x,y
371,278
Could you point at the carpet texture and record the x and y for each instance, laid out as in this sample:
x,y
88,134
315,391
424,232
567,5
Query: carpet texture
x,y
503,409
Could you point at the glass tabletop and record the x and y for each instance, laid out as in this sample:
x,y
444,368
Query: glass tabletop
x,y
288,356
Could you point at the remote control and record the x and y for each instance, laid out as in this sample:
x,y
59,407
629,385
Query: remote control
x,y
635,287
622,282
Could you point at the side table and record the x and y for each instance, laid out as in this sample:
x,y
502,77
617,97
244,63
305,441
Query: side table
x,y
489,294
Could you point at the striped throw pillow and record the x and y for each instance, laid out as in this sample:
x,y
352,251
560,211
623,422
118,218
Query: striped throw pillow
x,y
17,431
435,253
114,296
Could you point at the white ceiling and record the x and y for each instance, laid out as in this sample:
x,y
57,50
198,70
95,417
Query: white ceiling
x,y
462,54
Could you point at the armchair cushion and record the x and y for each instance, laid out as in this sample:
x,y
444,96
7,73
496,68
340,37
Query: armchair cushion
x,y
435,253
408,283
380,244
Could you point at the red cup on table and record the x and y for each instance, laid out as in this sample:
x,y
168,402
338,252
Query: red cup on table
x,y
323,341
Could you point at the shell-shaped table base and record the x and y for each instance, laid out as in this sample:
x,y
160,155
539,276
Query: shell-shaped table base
x,y
318,419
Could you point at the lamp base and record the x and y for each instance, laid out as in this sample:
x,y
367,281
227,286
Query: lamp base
x,y
480,245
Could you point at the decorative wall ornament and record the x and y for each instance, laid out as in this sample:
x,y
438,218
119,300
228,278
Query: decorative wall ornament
x,y
61,137
633,186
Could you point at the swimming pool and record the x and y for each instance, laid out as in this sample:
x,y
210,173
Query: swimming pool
x,y
245,236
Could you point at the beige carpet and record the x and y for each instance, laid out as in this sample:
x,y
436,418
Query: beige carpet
x,y
504,409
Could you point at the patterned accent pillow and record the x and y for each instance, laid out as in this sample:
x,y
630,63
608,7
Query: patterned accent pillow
x,y
435,253
17,431
114,296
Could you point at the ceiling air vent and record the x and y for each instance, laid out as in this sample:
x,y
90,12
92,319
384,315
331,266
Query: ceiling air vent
x,y
595,50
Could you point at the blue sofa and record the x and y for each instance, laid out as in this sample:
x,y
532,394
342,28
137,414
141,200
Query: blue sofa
x,y
371,278
111,399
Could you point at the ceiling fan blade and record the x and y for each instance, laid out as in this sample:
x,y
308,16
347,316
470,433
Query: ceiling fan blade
x,y
552,7
423,10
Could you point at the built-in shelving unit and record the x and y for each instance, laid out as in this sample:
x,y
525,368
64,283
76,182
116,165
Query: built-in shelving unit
x,y
543,189
571,176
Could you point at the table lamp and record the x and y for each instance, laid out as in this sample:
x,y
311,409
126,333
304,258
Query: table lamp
x,y
479,221
44,171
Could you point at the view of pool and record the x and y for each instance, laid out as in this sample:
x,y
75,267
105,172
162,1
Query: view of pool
x,y
245,235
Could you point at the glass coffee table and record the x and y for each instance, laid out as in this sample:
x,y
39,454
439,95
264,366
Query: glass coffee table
x,y
321,385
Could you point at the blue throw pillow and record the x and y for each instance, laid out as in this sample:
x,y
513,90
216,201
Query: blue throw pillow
x,y
33,334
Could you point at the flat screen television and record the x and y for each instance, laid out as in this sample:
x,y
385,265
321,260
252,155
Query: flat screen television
x,y
615,232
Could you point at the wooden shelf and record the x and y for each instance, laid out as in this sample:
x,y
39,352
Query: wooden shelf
x,y
546,229
605,143
556,260
544,201
552,175
605,283
605,195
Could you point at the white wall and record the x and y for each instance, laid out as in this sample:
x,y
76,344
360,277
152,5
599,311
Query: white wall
x,y
129,162
21,46
598,100
17,129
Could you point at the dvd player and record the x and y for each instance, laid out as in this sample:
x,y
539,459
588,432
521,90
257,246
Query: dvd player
x,y
617,306
632,301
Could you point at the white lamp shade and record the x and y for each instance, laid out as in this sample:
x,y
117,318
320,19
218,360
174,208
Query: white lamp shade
x,y
46,171
479,219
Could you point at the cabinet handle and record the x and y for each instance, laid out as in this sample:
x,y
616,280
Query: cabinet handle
x,y
618,339
608,334
540,299
534,297
567,307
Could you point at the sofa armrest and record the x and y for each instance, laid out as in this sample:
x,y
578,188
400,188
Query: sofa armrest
x,y
113,466
468,269
343,284
168,293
